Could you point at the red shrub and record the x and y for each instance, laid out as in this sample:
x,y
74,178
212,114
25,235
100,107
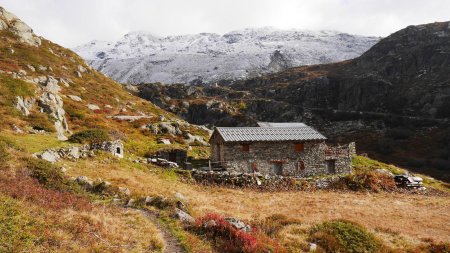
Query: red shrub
x,y
26,188
231,240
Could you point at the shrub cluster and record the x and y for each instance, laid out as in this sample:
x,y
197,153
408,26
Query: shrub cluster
x,y
366,181
344,236
90,136
232,240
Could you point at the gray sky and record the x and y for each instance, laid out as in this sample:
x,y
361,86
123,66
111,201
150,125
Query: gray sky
x,y
73,22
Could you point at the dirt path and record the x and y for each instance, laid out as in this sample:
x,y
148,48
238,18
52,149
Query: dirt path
x,y
172,245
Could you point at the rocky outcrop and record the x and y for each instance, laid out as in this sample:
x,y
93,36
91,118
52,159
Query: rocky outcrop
x,y
11,22
52,104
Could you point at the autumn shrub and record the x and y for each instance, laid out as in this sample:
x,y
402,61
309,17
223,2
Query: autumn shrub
x,y
344,236
433,247
366,181
23,187
230,239
90,136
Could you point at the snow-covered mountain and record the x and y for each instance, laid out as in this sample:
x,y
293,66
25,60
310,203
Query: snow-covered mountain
x,y
142,57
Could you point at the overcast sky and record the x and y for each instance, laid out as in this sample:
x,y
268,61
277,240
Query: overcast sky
x,y
73,22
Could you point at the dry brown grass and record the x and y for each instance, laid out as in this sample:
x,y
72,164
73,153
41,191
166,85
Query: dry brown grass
x,y
414,217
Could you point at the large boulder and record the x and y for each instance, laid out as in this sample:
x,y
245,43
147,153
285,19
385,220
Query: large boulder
x,y
18,27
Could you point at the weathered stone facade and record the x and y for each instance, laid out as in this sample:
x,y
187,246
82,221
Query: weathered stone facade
x,y
282,158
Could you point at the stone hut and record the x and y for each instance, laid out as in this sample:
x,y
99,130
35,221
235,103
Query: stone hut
x,y
114,147
287,149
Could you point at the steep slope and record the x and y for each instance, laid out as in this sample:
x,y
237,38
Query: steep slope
x,y
394,99
206,57
48,93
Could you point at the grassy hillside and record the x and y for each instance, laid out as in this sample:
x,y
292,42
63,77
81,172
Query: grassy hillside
x,y
42,209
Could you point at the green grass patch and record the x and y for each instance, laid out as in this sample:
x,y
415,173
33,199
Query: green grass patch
x,y
33,143
364,164
11,88
344,236
90,136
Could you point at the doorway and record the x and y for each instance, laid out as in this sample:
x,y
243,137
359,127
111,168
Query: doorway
x,y
173,157
277,168
331,166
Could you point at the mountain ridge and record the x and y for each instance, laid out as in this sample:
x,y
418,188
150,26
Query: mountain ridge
x,y
209,57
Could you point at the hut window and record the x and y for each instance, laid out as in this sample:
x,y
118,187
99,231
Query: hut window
x,y
246,147
299,147
118,150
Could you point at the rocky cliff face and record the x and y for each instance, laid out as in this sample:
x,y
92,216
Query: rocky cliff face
x,y
394,100
208,58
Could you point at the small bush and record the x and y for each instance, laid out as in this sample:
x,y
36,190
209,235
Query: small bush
x,y
344,236
75,114
50,176
40,121
90,136
274,223
229,239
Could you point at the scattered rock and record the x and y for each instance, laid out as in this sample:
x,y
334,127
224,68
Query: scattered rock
x,y
312,247
194,139
75,98
81,69
148,200
49,155
30,67
130,203
85,182
93,107
125,190
164,141
16,129
238,224
180,196
184,216
78,74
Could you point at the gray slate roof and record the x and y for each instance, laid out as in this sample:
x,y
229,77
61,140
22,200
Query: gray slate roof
x,y
243,134
281,124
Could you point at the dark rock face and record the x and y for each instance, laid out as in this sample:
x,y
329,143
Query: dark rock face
x,y
394,100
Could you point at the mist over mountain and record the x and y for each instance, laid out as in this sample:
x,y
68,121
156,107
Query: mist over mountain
x,y
208,57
